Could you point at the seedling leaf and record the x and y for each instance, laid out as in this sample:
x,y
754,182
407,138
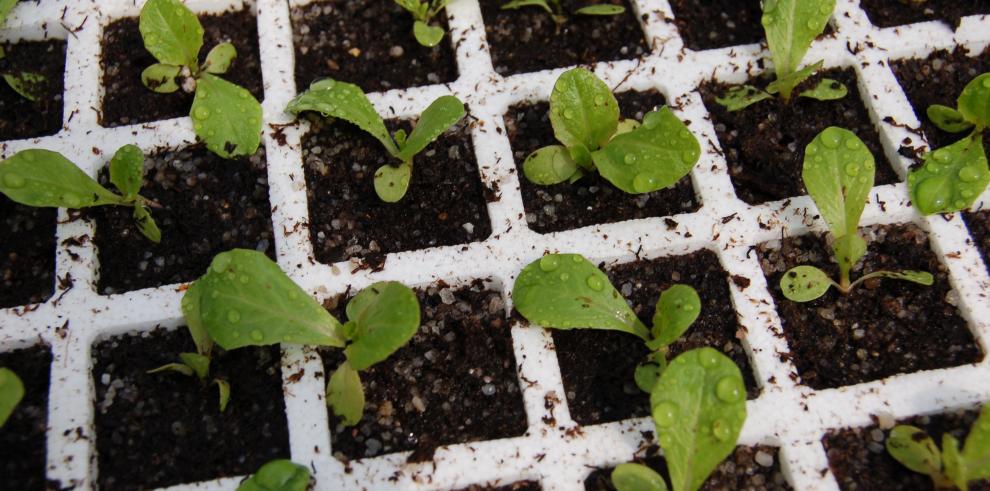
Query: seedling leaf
x,y
126,170
386,315
849,249
677,309
838,173
219,59
29,85
583,110
199,364
38,177
517,4
791,26
345,395
174,367
953,463
648,372
805,283
161,78
787,83
601,9
5,7
278,475
226,116
951,178
345,101
741,97
392,181
826,90
549,165
223,389
146,224
442,113
426,34
919,277
11,393
914,449
171,32
974,102
637,477
948,119
191,309
976,452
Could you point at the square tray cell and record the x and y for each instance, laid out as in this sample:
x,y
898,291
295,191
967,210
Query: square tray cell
x,y
978,223
881,328
159,429
886,13
22,438
127,101
368,43
27,253
20,117
717,24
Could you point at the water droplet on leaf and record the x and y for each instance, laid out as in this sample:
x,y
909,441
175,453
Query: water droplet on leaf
x,y
595,283
727,389
13,180
969,174
233,316
256,335
643,182
720,429
664,414
549,263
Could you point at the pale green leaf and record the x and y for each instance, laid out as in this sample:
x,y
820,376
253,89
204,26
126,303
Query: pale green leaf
x,y
223,389
11,393
174,367
29,85
785,84
601,9
826,90
953,463
974,102
426,34
226,116
442,113
161,78
838,173
345,395
549,165
976,452
849,249
392,181
385,316
171,32
791,26
191,310
5,7
583,111
919,277
677,309
278,475
948,119
199,364
345,101
914,449
127,169
951,178
38,177
741,97
219,59
637,477
146,224
805,283
516,4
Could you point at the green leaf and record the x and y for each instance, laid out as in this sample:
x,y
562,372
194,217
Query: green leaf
x,y
161,78
951,178
38,177
976,452
791,26
953,463
219,59
919,277
948,119
785,84
677,309
29,85
699,407
278,475
146,224
223,389
805,283
199,364
5,7
637,477
437,118
974,102
226,116
826,90
171,32
583,110
11,393
191,310
654,156
127,169
516,4
741,97
849,249
838,173
648,372
549,165
412,6
625,126
174,367
566,291
345,395
345,101
386,315
426,34
392,181
914,449
246,300
601,9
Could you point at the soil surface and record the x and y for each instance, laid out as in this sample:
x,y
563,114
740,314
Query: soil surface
x,y
445,203
159,429
712,24
19,117
27,253
978,224
764,143
883,327
592,199
748,468
209,205
887,13
528,40
597,366
22,438
127,101
455,381
368,43
859,459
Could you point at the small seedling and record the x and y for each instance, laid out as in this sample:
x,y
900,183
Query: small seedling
x,y
43,178
245,299
29,85
557,12
952,177
424,11
11,393
838,173
278,475
225,116
952,466
346,101
790,26
636,158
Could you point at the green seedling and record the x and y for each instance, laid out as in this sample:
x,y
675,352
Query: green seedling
x,y
346,101
790,26
43,178
566,291
952,177
557,12
245,299
224,115
838,173
11,393
29,85
278,475
698,407
636,158
424,11
952,466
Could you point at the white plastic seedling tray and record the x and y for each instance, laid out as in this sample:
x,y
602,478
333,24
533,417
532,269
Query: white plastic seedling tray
x,y
786,414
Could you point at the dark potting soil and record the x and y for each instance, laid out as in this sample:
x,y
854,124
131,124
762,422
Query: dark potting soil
x,y
883,327
368,43
528,40
455,381
859,459
885,13
127,101
159,429
597,366
717,24
445,203
516,486
19,117
764,143
978,223
751,468
27,253
592,199
209,205
22,438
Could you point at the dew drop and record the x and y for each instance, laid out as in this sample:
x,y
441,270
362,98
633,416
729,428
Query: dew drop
x,y
568,114
599,100
565,276
71,200
549,263
233,316
853,143
245,279
221,263
13,180
257,335
960,204
852,169
666,441
201,112
708,357
643,182
720,429
811,24
595,283
684,134
664,414
824,9
811,150
969,174
629,159
727,390
966,193
831,137
942,156
688,156
930,196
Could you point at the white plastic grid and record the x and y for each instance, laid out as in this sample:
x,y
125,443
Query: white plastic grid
x,y
788,415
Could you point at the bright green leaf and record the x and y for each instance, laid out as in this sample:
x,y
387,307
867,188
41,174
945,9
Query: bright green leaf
x,y
29,85
637,477
11,393
191,310
549,165
199,364
951,178
838,173
127,169
648,372
826,90
5,7
976,452
437,118
583,110
278,475
226,116
677,309
914,449
741,97
392,181
625,126
953,463
601,9
345,101
785,84
174,367
919,277
805,283
38,177
171,32
516,4
791,26
849,249
146,224
223,389
345,395
974,102
161,78
426,34
219,59
948,119
386,315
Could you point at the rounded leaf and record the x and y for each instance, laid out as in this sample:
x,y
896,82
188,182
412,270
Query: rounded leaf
x,y
219,59
127,169
583,110
171,32
426,34
826,90
974,102
637,477
948,119
951,178
385,317
914,449
741,97
38,177
804,283
677,309
11,393
345,101
345,394
838,173
549,165
392,181
29,85
161,78
278,475
226,116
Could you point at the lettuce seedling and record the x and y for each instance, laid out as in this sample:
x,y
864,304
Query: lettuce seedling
x,y
790,26
43,178
346,101
951,466
278,475
225,116
245,299
557,12
424,11
29,85
11,393
952,177
635,158
838,173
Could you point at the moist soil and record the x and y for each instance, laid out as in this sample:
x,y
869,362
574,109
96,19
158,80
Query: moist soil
x,y
597,366
22,438
884,327
127,101
27,253
455,382
978,224
209,205
19,117
749,468
592,199
368,43
713,24
160,429
445,204
887,13
859,459
764,143
528,40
